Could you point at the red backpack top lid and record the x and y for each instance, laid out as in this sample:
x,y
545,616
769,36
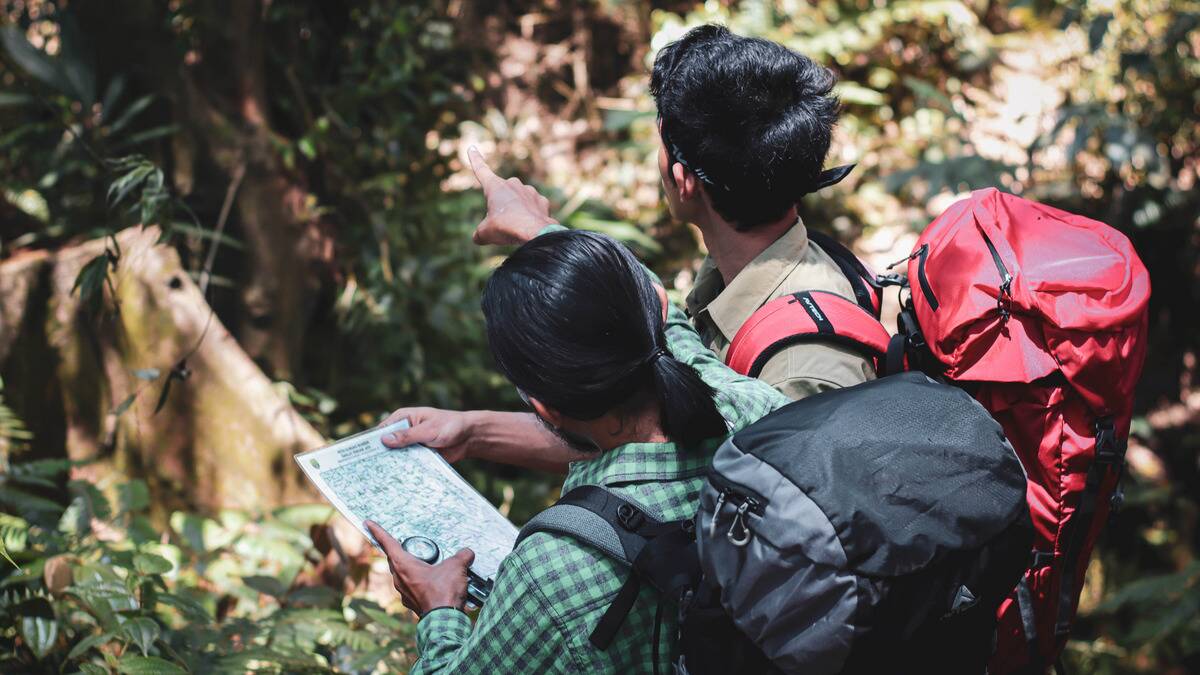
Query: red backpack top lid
x,y
1009,306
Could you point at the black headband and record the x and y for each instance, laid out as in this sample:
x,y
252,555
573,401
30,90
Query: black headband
x,y
824,179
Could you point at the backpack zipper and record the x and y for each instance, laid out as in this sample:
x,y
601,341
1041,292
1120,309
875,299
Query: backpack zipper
x,y
1004,299
746,502
922,254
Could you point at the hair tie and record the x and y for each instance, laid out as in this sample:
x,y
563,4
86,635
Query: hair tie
x,y
655,356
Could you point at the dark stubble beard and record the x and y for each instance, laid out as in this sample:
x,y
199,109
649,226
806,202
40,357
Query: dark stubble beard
x,y
576,442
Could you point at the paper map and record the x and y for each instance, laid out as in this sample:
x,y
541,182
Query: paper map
x,y
409,492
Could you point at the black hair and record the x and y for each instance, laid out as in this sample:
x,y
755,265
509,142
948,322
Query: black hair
x,y
574,321
750,117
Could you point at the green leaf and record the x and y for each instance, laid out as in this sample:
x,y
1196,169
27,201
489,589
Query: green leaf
x,y
314,596
27,505
39,627
131,112
94,501
190,609
87,643
33,60
307,148
266,585
304,516
93,669
142,631
133,496
10,99
376,614
148,665
149,563
124,405
90,281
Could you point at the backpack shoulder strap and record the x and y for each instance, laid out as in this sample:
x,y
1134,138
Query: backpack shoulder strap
x,y
868,293
595,516
809,316
651,549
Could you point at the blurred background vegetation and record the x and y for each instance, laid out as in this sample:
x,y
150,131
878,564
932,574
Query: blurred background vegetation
x,y
303,166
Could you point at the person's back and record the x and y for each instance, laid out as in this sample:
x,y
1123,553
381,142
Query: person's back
x,y
574,322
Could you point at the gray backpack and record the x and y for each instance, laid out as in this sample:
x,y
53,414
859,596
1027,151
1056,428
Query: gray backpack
x,y
875,528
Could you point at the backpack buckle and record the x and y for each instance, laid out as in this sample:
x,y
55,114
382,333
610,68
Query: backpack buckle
x,y
629,517
1041,559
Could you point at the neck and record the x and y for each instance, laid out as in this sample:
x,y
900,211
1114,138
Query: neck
x,y
732,250
620,428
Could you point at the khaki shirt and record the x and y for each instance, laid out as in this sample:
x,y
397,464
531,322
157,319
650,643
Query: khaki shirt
x,y
790,265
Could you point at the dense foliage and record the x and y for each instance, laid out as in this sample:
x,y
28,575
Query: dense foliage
x,y
242,131
95,587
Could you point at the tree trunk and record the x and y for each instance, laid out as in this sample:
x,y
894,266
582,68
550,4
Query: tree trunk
x,y
224,436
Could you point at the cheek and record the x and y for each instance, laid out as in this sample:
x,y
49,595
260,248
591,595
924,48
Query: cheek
x,y
662,165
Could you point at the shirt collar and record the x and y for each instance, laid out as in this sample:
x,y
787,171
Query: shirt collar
x,y
635,462
729,306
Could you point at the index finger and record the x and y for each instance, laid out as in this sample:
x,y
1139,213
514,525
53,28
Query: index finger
x,y
483,172
391,547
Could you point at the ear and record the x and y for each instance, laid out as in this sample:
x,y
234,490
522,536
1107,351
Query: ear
x,y
662,299
685,181
552,416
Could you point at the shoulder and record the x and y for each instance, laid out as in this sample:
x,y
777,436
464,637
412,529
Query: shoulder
x,y
571,576
808,368
815,271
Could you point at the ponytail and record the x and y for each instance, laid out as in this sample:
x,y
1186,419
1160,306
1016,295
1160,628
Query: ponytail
x,y
689,414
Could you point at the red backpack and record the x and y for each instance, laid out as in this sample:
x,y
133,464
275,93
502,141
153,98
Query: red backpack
x,y
1041,315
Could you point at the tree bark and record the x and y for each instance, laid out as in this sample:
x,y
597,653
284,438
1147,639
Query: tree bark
x,y
224,436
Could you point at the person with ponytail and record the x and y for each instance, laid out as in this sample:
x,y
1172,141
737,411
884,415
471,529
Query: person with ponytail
x,y
614,372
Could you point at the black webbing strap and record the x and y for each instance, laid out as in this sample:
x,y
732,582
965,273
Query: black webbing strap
x,y
894,361
1029,623
606,629
866,289
1110,455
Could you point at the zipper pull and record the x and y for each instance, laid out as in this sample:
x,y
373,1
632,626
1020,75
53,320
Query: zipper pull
x,y
712,525
739,518
910,257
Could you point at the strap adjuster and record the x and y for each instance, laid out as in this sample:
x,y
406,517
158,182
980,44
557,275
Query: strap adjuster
x,y
1109,449
630,518
1041,559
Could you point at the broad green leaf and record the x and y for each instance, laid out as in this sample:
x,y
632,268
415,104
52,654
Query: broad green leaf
x,y
314,596
375,613
87,643
266,585
148,665
39,627
143,631
304,516
11,99
93,669
32,60
93,499
149,563
133,496
190,609
28,505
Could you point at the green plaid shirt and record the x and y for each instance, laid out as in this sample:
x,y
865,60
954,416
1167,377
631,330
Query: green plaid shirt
x,y
551,590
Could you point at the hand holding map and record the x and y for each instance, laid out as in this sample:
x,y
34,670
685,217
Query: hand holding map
x,y
411,491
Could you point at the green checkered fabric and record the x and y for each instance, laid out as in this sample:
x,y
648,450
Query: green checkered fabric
x,y
552,590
